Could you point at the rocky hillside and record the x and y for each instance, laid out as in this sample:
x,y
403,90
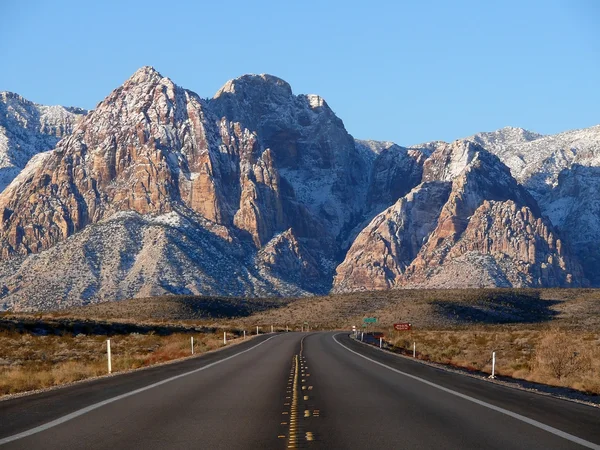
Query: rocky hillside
x,y
562,172
27,129
273,177
258,192
469,223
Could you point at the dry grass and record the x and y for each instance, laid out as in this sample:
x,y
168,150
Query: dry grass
x,y
425,308
436,309
558,357
29,362
174,307
459,327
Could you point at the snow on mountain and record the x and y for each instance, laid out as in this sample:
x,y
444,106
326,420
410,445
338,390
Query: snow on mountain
x,y
259,191
535,160
273,174
562,172
504,139
133,255
27,129
469,209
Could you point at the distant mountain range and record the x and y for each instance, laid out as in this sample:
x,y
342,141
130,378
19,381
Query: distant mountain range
x,y
260,192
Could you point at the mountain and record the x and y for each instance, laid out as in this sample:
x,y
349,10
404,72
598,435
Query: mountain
x,y
562,172
536,160
468,224
27,129
129,255
258,192
278,196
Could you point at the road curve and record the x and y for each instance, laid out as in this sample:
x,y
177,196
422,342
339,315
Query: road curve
x,y
295,390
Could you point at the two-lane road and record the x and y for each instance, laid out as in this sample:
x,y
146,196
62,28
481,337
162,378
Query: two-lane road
x,y
295,390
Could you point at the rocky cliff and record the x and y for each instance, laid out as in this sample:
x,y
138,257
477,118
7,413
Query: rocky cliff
x,y
562,172
273,174
27,129
259,191
468,224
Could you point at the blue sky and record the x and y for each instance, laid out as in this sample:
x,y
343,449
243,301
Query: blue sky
x,y
392,70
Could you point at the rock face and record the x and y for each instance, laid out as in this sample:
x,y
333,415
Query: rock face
x,y
510,246
476,176
285,258
259,191
27,129
383,250
395,171
274,174
131,255
309,146
574,207
562,172
468,209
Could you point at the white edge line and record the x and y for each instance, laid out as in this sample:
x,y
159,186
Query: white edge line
x,y
527,420
87,409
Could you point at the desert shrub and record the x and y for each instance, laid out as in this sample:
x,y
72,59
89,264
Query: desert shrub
x,y
560,357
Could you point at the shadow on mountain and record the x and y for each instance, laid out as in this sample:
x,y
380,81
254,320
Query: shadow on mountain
x,y
101,319
573,206
74,327
499,308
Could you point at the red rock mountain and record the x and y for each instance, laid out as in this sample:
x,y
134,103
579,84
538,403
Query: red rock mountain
x,y
257,191
469,224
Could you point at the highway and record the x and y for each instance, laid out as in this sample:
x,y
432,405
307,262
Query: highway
x,y
295,390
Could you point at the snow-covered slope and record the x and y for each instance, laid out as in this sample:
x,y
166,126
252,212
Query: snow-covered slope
x,y
562,172
274,174
536,161
27,129
259,191
503,140
133,255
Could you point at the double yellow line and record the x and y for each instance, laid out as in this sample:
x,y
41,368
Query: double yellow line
x,y
293,434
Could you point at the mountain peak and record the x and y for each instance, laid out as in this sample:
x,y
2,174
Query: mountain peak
x,y
505,136
145,74
6,96
251,81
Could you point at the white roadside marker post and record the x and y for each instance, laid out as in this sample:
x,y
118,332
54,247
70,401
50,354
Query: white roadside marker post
x,y
224,337
414,349
244,334
271,328
493,375
108,355
286,329
380,342
192,341
257,330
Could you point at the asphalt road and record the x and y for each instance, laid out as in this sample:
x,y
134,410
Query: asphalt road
x,y
295,390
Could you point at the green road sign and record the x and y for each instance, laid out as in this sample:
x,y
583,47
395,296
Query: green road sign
x,y
370,320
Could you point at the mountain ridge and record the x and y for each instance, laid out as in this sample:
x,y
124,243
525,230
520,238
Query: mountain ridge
x,y
275,182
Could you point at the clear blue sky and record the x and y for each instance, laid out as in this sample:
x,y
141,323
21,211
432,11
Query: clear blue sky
x,y
392,70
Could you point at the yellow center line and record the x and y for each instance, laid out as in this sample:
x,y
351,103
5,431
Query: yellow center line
x,y
292,438
297,367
